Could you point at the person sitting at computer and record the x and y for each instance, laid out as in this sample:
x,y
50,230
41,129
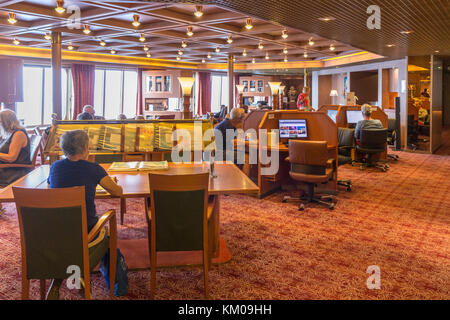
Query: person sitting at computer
x,y
368,122
229,124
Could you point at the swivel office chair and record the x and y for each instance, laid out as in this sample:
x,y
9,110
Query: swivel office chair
x,y
346,143
310,164
372,142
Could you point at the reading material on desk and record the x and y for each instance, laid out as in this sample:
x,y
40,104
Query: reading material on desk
x,y
139,166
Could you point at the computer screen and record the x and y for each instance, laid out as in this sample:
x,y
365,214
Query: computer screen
x,y
332,114
353,116
293,129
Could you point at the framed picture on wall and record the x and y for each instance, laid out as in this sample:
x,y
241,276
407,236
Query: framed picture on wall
x,y
252,86
260,86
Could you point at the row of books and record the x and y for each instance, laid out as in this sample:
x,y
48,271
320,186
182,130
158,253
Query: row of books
x,y
137,137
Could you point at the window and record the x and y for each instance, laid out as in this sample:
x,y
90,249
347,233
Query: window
x,y
219,92
37,107
115,92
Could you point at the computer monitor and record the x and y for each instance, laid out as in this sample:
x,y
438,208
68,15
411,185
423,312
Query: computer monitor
x,y
332,114
293,129
354,116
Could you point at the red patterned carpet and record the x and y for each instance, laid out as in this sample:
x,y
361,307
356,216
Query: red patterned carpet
x,y
399,220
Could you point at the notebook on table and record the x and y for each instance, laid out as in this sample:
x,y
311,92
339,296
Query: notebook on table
x,y
139,166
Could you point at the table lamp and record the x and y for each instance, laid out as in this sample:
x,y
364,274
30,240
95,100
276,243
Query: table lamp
x,y
186,86
240,88
275,88
333,93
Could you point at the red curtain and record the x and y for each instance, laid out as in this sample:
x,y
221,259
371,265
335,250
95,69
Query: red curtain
x,y
83,76
139,104
204,93
236,92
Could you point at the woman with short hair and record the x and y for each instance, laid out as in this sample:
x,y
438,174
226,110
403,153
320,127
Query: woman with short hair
x,y
14,148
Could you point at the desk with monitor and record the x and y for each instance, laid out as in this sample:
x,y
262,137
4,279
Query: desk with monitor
x,y
316,126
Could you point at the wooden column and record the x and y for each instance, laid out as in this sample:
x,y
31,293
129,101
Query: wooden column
x,y
275,102
230,82
56,72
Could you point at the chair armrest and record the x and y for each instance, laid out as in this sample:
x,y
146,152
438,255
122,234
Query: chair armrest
x,y
15,165
331,163
211,205
110,216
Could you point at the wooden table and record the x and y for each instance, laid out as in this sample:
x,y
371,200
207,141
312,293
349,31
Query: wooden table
x,y
229,180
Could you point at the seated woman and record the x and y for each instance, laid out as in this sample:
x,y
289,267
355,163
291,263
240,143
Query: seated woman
x,y
74,171
14,148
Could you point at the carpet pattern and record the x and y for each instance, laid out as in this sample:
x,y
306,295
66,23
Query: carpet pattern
x,y
399,221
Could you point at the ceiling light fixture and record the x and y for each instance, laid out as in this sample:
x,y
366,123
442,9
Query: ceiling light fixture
x,y
285,59
86,30
113,51
178,58
184,44
326,19
60,6
70,46
203,60
146,48
230,40
136,22
209,56
189,32
390,45
285,50
102,43
260,45
406,32
253,60
12,18
142,37
180,53
311,42
217,49
16,41
267,56
284,34
244,53
305,54
148,55
198,11
48,36
332,48
249,24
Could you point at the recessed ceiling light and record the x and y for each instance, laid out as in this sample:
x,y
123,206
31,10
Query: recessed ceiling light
x,y
16,41
60,6
142,37
48,36
230,40
184,44
436,51
189,32
326,19
284,34
136,22
86,30
198,11
12,18
390,45
249,24
406,32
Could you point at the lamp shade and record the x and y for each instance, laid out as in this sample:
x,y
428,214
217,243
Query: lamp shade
x,y
240,88
282,87
186,84
275,87
334,93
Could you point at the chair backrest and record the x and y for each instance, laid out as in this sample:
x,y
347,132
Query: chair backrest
x,y
346,137
179,211
373,138
310,153
166,116
53,231
35,144
223,112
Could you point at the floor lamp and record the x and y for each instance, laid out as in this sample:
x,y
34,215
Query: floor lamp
x,y
186,85
240,88
333,94
282,87
275,88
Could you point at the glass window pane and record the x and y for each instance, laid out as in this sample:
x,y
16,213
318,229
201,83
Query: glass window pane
x,y
215,93
225,97
48,96
31,109
113,94
130,93
99,91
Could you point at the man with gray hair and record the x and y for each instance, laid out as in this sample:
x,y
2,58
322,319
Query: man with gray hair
x,y
368,122
230,125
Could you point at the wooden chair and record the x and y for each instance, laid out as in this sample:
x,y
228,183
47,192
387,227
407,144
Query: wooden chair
x,y
53,235
35,142
178,218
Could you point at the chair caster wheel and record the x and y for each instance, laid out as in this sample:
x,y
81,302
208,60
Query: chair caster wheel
x,y
349,189
301,207
331,207
283,201
361,168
